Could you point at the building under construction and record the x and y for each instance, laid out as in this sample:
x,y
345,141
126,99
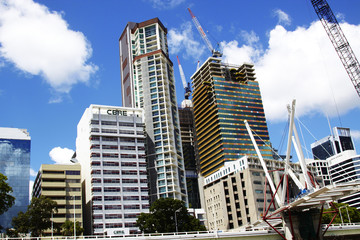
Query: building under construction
x,y
223,97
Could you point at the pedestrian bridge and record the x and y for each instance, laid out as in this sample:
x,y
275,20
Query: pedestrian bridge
x,y
348,229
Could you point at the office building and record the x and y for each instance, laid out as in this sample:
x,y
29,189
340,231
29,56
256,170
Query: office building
x,y
147,82
61,183
110,148
15,164
188,145
336,161
234,194
224,96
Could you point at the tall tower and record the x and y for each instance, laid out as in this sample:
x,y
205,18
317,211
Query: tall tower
x,y
223,97
110,148
186,117
15,164
147,82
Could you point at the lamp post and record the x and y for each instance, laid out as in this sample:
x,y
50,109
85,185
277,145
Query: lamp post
x,y
52,224
176,225
74,220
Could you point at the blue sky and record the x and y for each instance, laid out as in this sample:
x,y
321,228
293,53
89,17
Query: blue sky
x,y
58,57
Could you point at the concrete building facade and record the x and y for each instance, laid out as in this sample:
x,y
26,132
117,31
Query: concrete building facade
x,y
61,183
336,161
147,82
223,97
15,165
110,147
235,195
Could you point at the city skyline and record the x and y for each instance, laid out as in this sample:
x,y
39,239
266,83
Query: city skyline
x,y
49,99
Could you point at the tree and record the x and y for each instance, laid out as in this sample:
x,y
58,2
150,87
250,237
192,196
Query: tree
x,y
162,218
37,218
354,214
20,223
6,200
68,228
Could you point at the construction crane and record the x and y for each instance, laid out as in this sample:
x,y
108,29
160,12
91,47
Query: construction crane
x,y
339,41
183,79
214,52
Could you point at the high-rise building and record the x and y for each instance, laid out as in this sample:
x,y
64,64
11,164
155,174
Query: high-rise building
x,y
147,82
223,97
186,117
110,148
61,183
336,161
15,164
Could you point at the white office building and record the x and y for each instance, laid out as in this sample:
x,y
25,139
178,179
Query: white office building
x,y
110,148
147,82
336,161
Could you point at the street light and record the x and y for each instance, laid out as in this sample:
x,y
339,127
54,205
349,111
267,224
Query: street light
x,y
176,225
52,224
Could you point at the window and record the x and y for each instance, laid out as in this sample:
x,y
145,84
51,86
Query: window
x,y
111,180
112,207
112,198
53,172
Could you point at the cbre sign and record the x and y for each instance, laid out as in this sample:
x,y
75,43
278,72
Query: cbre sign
x,y
116,112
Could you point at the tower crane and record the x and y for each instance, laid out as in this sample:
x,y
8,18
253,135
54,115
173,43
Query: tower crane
x,y
339,41
214,52
186,85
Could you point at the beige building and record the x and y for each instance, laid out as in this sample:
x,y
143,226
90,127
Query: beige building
x,y
234,195
61,183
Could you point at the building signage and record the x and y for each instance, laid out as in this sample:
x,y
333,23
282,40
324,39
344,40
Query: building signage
x,y
116,112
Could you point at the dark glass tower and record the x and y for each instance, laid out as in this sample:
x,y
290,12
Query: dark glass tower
x,y
15,164
186,117
223,97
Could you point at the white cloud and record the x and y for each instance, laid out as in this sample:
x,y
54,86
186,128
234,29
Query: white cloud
x,y
355,134
166,4
219,28
249,37
61,155
33,173
283,18
300,64
182,41
31,185
39,42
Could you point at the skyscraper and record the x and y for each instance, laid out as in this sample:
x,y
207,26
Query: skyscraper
x,y
110,148
223,97
147,82
15,164
186,117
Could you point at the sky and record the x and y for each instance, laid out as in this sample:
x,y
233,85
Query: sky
x,y
58,57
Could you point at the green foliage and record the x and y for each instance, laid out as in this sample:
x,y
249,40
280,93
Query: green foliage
x,y
67,228
21,223
6,200
37,218
162,218
354,214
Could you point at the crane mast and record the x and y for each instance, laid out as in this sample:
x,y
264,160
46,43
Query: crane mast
x,y
339,41
203,35
183,79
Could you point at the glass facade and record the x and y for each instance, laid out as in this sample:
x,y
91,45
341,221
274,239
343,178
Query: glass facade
x,y
223,97
15,164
